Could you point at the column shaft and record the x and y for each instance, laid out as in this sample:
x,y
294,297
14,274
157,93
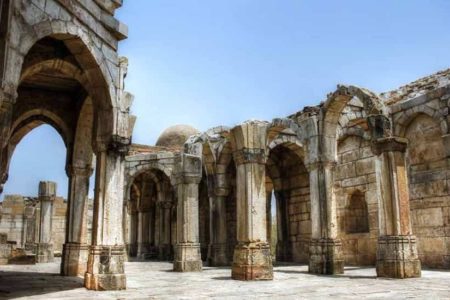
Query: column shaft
x,y
325,250
76,249
105,269
187,250
47,194
397,255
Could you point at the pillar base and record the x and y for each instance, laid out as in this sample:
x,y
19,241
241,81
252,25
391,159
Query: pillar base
x,y
326,257
218,255
397,257
44,253
187,258
252,261
105,268
74,259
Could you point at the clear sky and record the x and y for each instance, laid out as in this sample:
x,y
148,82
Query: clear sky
x,y
208,63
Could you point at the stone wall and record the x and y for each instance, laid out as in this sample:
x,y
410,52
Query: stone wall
x,y
429,191
355,176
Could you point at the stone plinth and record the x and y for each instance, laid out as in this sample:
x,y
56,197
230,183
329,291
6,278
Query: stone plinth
x,y
397,257
187,258
75,257
44,253
326,257
105,268
252,261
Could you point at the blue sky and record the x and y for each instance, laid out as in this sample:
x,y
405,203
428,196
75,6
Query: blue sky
x,y
207,63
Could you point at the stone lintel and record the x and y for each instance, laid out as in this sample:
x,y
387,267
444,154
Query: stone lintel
x,y
389,144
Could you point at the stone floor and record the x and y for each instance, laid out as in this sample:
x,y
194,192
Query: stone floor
x,y
155,280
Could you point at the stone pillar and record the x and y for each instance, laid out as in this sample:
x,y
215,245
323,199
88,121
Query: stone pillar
x,y
29,228
325,250
47,195
218,248
165,247
105,269
143,233
397,249
76,250
187,249
252,259
133,233
283,244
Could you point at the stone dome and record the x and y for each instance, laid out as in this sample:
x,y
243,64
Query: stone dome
x,y
175,136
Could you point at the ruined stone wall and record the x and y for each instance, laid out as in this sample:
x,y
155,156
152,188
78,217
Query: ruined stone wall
x,y
11,218
355,175
429,191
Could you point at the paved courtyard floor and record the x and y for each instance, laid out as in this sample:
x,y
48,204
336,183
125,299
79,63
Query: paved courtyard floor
x,y
155,280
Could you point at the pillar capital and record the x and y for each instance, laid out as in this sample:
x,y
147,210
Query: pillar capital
x,y
189,169
47,190
389,144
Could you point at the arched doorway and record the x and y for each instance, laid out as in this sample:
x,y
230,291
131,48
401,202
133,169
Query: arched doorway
x,y
62,85
152,209
287,187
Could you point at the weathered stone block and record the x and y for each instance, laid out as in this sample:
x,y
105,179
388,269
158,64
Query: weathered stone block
x,y
252,261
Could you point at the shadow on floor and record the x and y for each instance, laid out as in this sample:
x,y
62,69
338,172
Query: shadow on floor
x,y
19,284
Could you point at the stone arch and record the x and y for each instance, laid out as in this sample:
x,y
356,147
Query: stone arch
x,y
25,124
94,65
35,117
335,104
406,117
352,131
144,168
58,65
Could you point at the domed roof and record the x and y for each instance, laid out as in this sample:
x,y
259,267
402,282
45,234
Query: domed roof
x,y
175,136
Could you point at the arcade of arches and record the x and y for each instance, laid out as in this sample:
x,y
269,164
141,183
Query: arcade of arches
x,y
360,179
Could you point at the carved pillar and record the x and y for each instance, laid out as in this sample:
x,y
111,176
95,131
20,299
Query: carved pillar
x,y
325,250
187,249
47,195
76,250
105,270
29,228
218,248
252,259
397,249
